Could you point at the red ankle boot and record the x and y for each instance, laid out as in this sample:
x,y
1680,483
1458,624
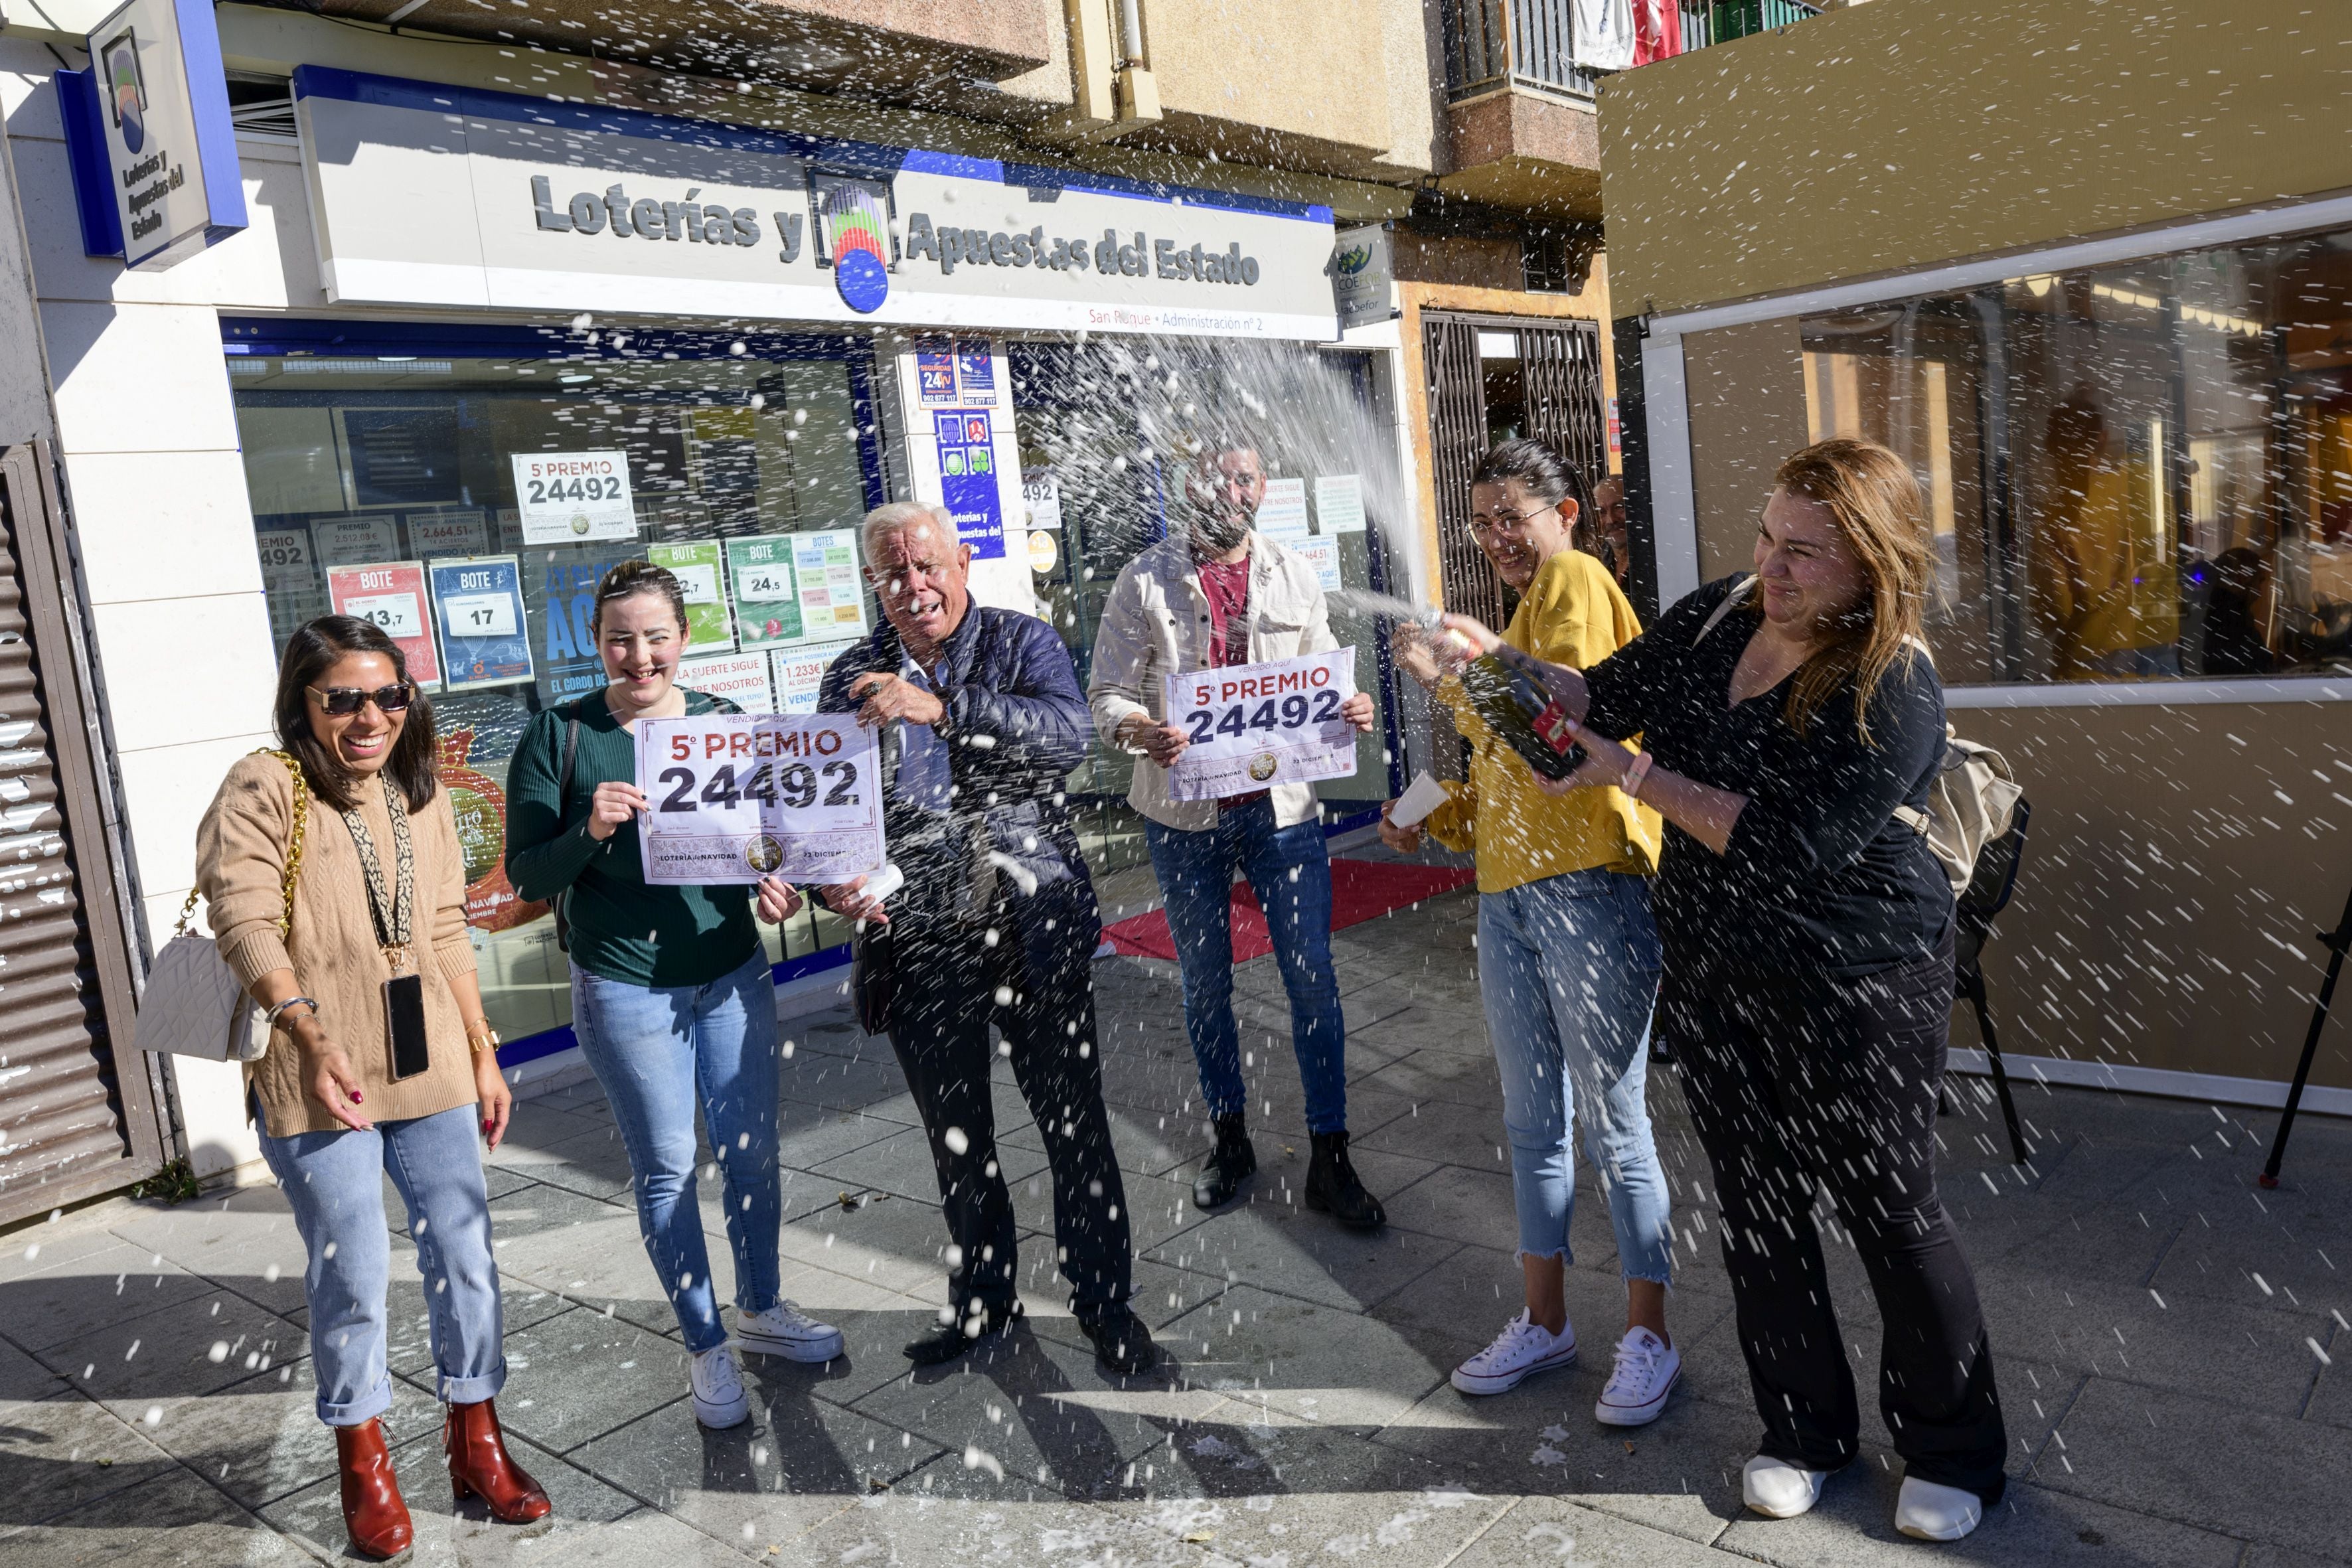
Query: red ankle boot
x,y
479,1467
374,1514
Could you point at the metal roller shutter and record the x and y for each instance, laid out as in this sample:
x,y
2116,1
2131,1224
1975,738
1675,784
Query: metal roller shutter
x,y
77,1106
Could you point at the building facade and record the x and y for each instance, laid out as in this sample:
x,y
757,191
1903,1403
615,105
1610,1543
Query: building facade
x,y
2087,272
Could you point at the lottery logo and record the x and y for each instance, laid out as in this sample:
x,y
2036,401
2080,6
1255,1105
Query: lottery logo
x,y
1261,767
763,854
579,524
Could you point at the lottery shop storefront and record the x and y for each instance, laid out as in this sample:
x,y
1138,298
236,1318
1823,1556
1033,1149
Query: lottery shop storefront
x,y
631,335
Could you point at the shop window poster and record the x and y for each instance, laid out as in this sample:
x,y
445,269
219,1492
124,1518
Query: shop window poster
x,y
559,601
975,369
1283,513
832,591
565,497
465,531
740,677
355,540
699,565
968,489
1339,503
799,674
935,372
767,609
478,602
390,595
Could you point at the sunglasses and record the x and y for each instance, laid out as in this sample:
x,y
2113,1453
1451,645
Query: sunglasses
x,y
344,700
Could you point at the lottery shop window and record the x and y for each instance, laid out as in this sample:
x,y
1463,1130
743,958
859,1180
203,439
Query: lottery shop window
x,y
465,489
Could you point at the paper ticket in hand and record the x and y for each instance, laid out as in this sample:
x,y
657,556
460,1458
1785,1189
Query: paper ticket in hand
x,y
733,797
1253,725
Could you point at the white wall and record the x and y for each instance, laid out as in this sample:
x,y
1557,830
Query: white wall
x,y
155,490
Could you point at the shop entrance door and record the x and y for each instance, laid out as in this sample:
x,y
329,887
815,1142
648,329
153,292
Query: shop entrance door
x,y
1491,378
77,1110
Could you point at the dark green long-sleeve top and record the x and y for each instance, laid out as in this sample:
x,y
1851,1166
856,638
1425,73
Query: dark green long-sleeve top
x,y
621,929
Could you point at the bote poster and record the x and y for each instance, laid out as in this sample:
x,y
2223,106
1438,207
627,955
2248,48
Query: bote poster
x,y
390,595
478,603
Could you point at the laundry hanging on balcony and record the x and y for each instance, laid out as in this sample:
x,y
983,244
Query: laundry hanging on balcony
x,y
1657,30
1604,34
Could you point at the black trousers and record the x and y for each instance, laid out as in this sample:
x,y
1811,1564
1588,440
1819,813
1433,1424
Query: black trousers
x,y
949,983
1798,1084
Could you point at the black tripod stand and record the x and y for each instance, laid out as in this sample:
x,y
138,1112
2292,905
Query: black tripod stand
x,y
2336,941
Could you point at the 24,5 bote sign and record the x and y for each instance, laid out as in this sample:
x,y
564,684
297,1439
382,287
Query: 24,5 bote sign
x,y
554,206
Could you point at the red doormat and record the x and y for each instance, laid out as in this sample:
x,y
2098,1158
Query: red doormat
x,y
1360,890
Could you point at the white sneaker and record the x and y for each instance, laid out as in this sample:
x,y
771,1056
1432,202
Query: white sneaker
x,y
1647,1370
1929,1511
1779,1489
785,1330
719,1401
1521,1349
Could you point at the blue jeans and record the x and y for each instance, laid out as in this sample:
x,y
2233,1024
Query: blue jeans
x,y
335,1183
659,1051
1291,873
1568,967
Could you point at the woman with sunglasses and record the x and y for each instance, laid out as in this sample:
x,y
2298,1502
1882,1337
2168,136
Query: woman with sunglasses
x,y
1568,954
380,1060
671,996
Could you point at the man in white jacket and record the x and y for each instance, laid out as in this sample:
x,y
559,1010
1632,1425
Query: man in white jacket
x,y
1217,594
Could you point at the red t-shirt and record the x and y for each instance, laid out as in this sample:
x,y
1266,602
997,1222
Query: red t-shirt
x,y
1227,589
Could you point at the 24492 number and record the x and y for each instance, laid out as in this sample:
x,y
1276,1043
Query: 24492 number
x,y
1293,711
546,492
793,786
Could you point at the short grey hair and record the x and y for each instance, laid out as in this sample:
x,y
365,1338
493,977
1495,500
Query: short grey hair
x,y
898,516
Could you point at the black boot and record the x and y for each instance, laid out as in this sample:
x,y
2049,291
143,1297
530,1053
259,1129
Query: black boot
x,y
1231,1162
951,1339
1122,1344
1332,1187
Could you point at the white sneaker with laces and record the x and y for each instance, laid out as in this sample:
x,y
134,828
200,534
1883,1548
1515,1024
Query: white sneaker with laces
x,y
719,1401
1779,1489
785,1331
1523,1348
1646,1372
1930,1511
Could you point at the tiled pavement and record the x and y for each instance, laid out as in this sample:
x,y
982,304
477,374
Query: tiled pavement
x,y
2174,1348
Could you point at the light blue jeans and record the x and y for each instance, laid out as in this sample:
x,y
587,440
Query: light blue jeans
x,y
335,1183
1568,967
659,1051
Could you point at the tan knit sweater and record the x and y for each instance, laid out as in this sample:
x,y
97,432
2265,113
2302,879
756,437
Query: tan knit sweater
x,y
240,868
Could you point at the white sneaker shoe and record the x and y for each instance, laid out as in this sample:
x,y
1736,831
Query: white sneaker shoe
x,y
1521,1349
1929,1511
785,1331
719,1401
1779,1489
1647,1370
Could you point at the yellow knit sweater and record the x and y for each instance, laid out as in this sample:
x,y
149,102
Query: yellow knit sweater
x,y
1574,614
332,947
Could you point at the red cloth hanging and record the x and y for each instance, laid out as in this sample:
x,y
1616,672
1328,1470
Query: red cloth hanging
x,y
1657,30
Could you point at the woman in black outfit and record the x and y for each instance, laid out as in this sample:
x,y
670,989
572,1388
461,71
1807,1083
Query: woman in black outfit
x,y
1793,723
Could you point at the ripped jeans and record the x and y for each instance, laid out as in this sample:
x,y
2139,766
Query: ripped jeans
x,y
1568,967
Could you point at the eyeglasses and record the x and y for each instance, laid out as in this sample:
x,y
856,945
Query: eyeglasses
x,y
344,700
1483,524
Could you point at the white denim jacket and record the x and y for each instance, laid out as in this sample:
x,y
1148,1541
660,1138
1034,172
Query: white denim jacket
x,y
1156,622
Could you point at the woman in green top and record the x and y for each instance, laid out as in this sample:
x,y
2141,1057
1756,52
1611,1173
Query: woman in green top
x,y
671,996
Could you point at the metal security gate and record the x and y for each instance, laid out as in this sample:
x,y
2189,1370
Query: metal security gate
x,y
1560,362
78,1108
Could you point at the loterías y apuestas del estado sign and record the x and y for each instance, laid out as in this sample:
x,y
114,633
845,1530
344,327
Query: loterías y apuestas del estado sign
x,y
548,207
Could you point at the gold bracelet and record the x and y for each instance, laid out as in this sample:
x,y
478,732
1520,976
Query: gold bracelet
x,y
481,1036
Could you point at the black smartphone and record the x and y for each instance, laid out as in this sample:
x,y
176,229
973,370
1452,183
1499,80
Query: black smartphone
x,y
403,1025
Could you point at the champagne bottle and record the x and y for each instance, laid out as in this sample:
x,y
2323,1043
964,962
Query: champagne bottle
x,y
1516,706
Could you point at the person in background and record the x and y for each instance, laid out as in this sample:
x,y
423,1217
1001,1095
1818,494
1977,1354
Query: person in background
x,y
671,994
1220,593
1606,538
996,923
379,891
1791,725
1568,955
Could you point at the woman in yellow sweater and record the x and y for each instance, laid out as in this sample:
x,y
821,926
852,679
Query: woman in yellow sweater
x,y
1567,957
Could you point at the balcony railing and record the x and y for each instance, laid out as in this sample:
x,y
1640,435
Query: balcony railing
x,y
1495,44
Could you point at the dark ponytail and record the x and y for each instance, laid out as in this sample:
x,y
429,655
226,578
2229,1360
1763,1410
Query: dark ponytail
x,y
1548,477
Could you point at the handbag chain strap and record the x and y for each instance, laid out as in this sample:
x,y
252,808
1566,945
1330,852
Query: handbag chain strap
x,y
393,925
293,846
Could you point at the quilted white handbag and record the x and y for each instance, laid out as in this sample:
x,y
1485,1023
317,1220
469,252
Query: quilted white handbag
x,y
192,1006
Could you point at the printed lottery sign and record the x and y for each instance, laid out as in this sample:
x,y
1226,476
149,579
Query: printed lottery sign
x,y
566,497
1252,725
390,595
733,797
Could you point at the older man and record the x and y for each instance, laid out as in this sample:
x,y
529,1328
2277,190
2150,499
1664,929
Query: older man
x,y
996,923
1606,537
1221,593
